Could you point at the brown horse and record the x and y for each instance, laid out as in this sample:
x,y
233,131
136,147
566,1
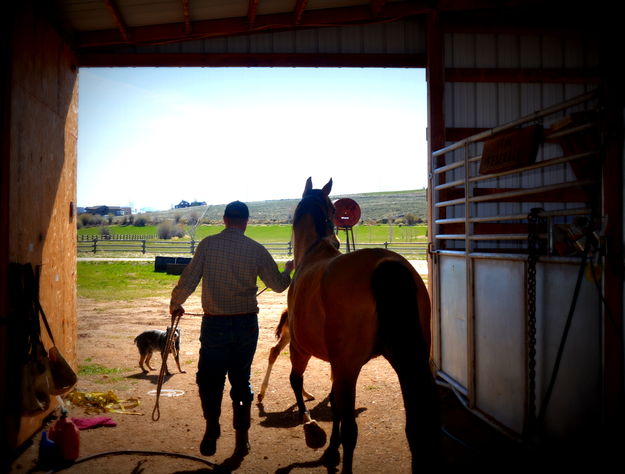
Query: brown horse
x,y
348,308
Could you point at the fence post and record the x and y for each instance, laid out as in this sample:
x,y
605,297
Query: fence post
x,y
290,248
143,246
95,244
192,246
386,245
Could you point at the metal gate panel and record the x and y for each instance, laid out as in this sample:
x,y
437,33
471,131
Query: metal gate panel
x,y
453,318
500,340
576,400
480,277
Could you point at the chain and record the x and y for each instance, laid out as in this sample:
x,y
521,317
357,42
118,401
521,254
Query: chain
x,y
532,258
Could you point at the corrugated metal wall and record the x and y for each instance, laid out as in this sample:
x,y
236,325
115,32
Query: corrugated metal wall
x,y
487,105
480,305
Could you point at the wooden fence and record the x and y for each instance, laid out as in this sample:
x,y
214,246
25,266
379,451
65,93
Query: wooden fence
x,y
145,246
90,237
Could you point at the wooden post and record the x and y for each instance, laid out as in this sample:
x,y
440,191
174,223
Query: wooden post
x,y
614,411
435,76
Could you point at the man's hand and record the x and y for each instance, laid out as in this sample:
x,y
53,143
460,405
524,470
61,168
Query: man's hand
x,y
288,266
175,311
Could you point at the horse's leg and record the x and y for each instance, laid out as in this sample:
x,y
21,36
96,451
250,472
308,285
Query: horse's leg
x,y
315,436
307,395
273,355
344,397
331,456
421,406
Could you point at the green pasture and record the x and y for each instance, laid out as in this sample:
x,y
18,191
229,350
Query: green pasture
x,y
122,280
378,233
125,281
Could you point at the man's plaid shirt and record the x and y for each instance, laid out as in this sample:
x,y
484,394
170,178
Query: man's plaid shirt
x,y
228,264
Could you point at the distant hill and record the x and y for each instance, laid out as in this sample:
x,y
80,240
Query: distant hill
x,y
375,207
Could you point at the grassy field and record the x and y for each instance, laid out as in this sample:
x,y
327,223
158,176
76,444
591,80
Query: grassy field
x,y
282,232
122,280
125,281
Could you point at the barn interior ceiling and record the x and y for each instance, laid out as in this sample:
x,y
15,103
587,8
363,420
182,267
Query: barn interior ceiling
x,y
99,25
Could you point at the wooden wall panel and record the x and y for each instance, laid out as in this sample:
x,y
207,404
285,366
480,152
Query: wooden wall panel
x,y
42,175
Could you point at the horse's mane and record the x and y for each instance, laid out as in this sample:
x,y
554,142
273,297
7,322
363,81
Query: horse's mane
x,y
314,204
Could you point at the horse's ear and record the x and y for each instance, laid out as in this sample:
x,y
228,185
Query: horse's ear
x,y
308,187
327,188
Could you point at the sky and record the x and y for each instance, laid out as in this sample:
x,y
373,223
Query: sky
x,y
151,137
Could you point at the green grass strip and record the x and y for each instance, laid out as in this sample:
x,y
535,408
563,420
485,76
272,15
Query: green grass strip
x,y
126,281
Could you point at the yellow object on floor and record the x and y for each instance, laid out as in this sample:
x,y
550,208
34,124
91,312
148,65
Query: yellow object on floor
x,y
99,402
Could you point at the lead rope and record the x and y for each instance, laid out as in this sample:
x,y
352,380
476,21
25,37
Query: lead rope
x,y
156,412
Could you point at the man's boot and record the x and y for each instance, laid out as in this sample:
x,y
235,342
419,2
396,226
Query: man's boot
x,y
241,414
208,446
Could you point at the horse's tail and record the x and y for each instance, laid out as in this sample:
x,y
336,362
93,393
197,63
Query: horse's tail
x,y
395,293
403,344
283,320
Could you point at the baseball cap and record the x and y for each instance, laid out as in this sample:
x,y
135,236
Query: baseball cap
x,y
237,210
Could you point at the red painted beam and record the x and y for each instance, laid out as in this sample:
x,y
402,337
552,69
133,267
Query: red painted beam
x,y
187,16
300,6
498,75
117,17
435,75
250,60
252,9
377,6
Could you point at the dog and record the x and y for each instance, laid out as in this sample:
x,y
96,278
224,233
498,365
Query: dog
x,y
154,340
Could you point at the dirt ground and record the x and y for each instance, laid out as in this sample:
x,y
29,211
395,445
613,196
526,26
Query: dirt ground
x,y
139,444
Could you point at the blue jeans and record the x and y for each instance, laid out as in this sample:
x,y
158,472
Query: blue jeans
x,y
227,347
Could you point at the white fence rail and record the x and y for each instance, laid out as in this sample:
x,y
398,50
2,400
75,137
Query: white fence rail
x,y
96,245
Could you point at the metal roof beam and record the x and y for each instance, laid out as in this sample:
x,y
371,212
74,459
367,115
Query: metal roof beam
x,y
250,60
516,76
252,9
187,16
118,18
300,6
377,6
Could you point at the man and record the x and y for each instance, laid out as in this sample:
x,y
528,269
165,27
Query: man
x,y
228,265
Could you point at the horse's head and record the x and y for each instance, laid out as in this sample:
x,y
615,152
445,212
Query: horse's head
x,y
316,203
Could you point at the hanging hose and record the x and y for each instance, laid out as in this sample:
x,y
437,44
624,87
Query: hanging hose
x,y
136,453
565,332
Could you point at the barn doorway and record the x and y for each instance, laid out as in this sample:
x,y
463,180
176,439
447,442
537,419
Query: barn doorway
x,y
360,148
150,137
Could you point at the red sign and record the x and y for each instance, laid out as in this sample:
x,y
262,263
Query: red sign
x,y
347,212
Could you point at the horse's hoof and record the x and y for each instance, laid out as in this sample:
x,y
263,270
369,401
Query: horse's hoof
x,y
314,434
